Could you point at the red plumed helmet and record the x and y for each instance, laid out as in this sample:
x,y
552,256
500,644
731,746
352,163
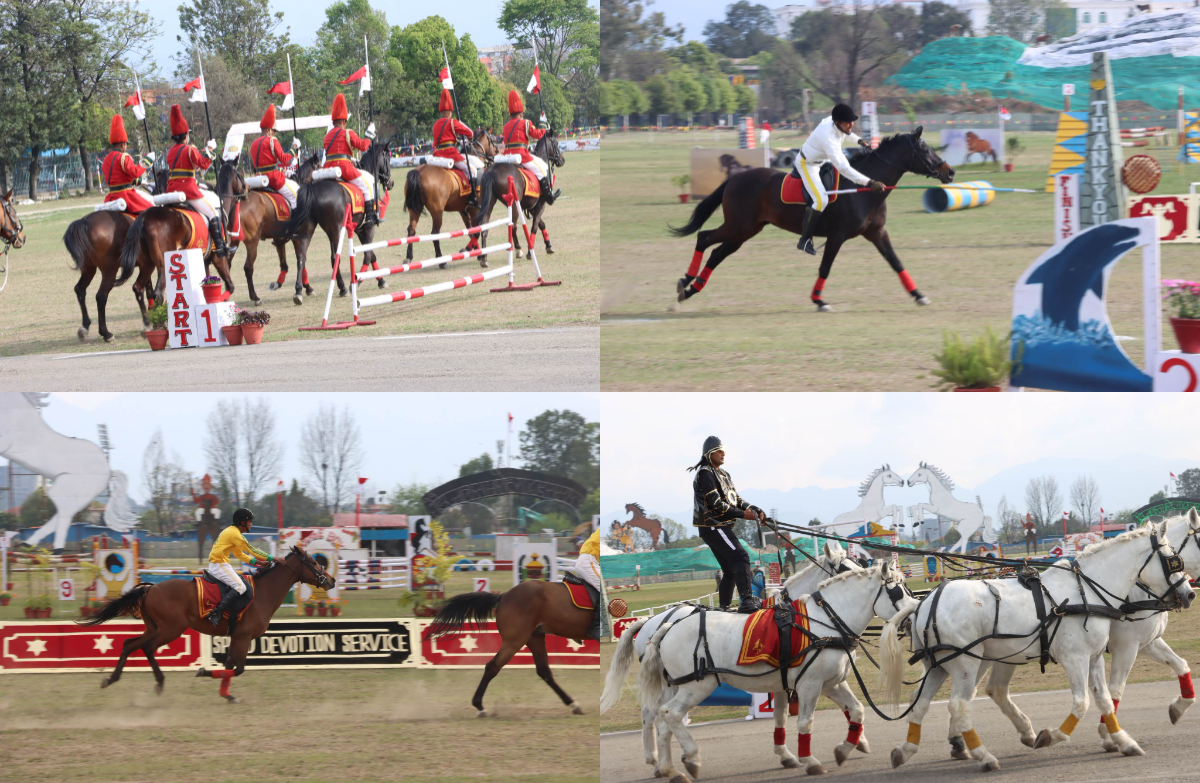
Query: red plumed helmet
x,y
446,103
268,120
515,106
179,125
339,110
116,130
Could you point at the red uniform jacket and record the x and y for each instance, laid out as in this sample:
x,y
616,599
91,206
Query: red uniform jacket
x,y
267,157
121,174
517,135
338,143
183,160
445,133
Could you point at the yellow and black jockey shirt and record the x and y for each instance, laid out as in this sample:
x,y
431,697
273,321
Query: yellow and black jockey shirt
x,y
716,502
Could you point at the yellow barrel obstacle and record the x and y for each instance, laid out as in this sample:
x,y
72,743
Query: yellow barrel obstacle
x,y
966,195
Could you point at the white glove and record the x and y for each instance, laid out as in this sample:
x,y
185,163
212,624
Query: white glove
x,y
371,131
211,145
295,143
150,156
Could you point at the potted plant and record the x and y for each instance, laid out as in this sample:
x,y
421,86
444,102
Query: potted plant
x,y
310,606
981,365
252,322
1184,297
233,332
157,333
322,609
1012,146
5,598
31,608
335,607
212,287
44,606
420,603
682,182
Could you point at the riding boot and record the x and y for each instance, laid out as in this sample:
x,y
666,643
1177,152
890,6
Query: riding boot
x,y
214,616
218,237
806,243
373,212
748,603
548,190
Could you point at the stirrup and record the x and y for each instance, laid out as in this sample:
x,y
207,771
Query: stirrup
x,y
806,245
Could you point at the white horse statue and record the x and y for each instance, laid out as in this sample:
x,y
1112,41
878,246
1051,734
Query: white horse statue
x,y
76,470
872,507
968,517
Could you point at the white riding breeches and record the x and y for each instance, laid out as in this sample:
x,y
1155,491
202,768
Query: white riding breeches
x,y
587,568
810,175
288,191
537,166
227,574
476,164
202,206
365,183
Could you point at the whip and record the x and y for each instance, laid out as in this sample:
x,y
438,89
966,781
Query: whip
x,y
928,187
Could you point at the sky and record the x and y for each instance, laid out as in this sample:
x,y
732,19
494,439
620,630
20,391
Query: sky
x,y
406,437
694,14
820,446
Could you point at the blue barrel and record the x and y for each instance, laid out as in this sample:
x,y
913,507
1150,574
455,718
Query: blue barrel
x,y
951,198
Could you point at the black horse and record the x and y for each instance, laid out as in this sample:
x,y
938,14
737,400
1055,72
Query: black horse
x,y
752,199
493,185
323,203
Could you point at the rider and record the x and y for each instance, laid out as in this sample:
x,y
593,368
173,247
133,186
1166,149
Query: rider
x,y
232,541
338,145
587,568
825,144
446,131
183,159
267,157
517,134
716,506
122,173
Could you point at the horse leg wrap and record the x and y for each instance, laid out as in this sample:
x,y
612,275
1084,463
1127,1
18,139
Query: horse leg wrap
x,y
907,281
1186,689
304,276
847,714
694,268
1110,720
804,746
1069,724
794,707
282,276
224,676
855,733
546,236
702,281
971,738
914,733
1115,703
781,736
818,289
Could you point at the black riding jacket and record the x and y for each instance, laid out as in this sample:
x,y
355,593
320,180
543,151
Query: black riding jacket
x,y
716,502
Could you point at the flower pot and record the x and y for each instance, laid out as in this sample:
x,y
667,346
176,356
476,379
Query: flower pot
x,y
44,613
85,611
683,198
308,610
157,338
233,334
4,601
1008,167
424,611
1187,332
30,613
335,611
252,333
987,389
212,292
323,611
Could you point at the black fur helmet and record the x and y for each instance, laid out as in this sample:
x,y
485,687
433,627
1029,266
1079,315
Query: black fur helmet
x,y
843,113
711,443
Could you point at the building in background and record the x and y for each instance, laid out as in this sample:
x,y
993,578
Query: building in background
x,y
495,58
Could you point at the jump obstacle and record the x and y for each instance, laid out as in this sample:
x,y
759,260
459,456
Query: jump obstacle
x,y
358,276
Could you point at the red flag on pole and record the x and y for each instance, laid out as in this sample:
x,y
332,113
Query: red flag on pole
x,y
361,72
535,81
444,76
283,88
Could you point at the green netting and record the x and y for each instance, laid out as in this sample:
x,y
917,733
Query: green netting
x,y
991,64
664,561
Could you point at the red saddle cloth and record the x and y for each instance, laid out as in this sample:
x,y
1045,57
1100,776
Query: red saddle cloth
x,y
464,184
357,202
793,191
579,596
208,595
760,638
533,188
282,210
198,239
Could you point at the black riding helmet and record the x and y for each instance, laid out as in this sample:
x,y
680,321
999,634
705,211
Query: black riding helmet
x,y
243,516
843,113
711,443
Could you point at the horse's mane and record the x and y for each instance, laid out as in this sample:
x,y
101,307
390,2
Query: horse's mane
x,y
859,153
227,170
872,571
942,477
1129,535
866,485
638,506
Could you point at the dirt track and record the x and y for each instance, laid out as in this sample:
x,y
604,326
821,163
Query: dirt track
x,y
740,751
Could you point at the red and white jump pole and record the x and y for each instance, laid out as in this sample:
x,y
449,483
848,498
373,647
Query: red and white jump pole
x,y
515,207
347,228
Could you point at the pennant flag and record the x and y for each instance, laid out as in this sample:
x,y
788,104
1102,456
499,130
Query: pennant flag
x,y
363,74
535,81
196,85
362,480
444,75
1004,115
1172,475
135,101
284,89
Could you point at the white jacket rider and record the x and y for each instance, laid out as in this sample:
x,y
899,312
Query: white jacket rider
x,y
825,144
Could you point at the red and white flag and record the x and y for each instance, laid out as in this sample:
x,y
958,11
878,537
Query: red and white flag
x,y
284,89
135,100
362,480
535,81
1004,115
196,87
444,76
363,76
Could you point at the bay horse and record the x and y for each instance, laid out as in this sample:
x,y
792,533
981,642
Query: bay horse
x,y
323,203
12,231
94,242
169,608
524,615
437,189
493,185
752,199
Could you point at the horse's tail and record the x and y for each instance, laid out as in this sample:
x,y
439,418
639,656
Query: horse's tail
x,y
304,204
126,604
487,195
132,248
650,679
461,611
412,192
78,240
701,213
618,670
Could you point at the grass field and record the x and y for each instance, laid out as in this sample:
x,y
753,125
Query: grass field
x,y
1183,634
39,312
753,327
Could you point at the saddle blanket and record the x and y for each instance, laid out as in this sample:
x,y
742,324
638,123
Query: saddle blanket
x,y
208,595
793,191
282,210
198,237
464,185
357,202
533,188
760,638
580,595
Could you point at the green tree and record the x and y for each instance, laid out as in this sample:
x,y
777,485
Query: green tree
x,y
746,29
698,56
846,51
636,101
418,50
937,19
613,99
406,499
726,97
746,99
566,34
626,35
37,509
688,89
1018,19
478,465
300,509
660,95
563,443
1158,497
244,33
1187,484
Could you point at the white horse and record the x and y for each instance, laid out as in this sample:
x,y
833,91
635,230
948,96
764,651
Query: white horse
x,y
872,507
970,610
968,517
833,560
76,470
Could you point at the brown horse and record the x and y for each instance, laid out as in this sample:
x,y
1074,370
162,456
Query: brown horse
x,y
651,526
169,608
95,242
437,189
493,186
524,615
12,231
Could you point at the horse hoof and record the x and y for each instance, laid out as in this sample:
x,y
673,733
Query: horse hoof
x,y
233,699
81,333
272,286
840,755
680,779
158,689
960,754
790,763
308,289
824,308
105,683
481,714
382,283
862,746
816,769
257,302
990,766
575,708
202,673
1044,740
693,768
342,292
518,254
549,250
483,263
923,300
1133,750
108,338
442,265
897,757
1028,742
297,299
1109,746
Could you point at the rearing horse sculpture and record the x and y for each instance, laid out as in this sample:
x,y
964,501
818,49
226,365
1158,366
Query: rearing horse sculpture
x,y
651,526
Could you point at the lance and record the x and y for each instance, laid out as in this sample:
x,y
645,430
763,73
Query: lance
x,y
371,119
292,84
542,107
142,103
208,122
457,116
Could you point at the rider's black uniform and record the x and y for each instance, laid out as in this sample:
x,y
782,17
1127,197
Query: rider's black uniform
x,y
716,507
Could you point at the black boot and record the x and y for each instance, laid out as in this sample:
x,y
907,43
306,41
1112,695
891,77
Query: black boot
x,y
218,237
214,616
748,604
373,212
806,243
548,191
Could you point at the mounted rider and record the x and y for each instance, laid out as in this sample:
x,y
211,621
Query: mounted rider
x,y
267,157
825,144
122,173
517,134
339,144
446,133
716,507
587,568
182,160
232,541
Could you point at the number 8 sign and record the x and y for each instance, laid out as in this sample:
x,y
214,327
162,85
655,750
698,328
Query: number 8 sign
x,y
66,590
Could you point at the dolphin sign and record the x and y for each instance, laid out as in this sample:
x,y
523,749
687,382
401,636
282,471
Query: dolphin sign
x,y
1061,335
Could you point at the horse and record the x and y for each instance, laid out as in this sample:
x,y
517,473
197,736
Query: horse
x,y
169,608
323,203
524,615
999,621
651,526
752,199
838,612
12,230
872,507
968,516
437,189
79,468
493,185
977,145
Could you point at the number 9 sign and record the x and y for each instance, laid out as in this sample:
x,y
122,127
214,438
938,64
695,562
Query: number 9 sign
x,y
66,590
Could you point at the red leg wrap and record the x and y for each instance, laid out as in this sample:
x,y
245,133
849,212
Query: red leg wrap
x,y
702,280
804,746
304,276
847,714
546,235
1186,690
224,676
818,289
697,258
282,276
855,733
907,280
781,736
794,707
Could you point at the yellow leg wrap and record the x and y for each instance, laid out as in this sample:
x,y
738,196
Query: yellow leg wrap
x,y
914,733
1068,725
971,738
1110,721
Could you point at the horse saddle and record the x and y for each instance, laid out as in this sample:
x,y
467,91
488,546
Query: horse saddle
x,y
210,591
533,188
584,596
774,635
793,191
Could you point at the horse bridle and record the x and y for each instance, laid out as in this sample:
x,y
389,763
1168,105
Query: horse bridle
x,y
324,580
1171,565
930,171
12,224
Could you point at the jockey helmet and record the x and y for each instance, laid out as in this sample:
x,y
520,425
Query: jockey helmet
x,y
843,113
